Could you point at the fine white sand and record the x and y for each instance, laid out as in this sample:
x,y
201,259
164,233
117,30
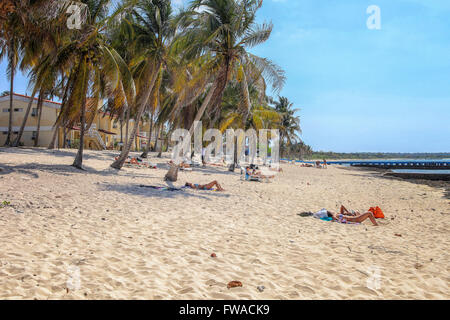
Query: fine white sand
x,y
96,234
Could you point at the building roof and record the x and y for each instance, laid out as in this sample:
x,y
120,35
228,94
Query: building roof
x,y
17,96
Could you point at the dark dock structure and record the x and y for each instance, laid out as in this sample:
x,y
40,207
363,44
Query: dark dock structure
x,y
398,164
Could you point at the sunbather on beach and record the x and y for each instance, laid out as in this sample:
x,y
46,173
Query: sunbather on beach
x,y
181,165
357,218
344,211
258,174
252,172
208,186
307,165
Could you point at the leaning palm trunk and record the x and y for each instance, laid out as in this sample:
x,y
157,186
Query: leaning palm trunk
x,y
25,118
57,125
142,104
203,107
39,108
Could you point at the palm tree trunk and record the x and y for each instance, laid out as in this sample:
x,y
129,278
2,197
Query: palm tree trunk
x,y
11,95
203,107
141,107
25,118
55,134
248,106
158,145
64,137
136,147
39,108
78,162
147,147
57,125
127,121
121,131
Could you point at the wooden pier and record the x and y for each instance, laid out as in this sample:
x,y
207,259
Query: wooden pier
x,y
424,165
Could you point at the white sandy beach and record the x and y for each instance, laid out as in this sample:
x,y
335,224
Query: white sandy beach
x,y
128,242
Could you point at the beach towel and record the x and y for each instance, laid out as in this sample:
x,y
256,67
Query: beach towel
x,y
377,212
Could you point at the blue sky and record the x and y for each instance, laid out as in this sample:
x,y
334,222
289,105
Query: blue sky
x,y
357,89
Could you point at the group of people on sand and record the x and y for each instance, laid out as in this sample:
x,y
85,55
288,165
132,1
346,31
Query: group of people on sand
x,y
252,171
318,164
345,216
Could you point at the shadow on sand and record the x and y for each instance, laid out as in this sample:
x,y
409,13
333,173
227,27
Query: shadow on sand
x,y
33,168
136,190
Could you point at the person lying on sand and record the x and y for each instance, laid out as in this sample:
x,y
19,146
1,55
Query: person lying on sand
x,y
344,211
252,172
357,218
181,165
258,174
208,186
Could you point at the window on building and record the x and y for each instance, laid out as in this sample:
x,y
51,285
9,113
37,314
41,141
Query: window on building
x,y
15,132
5,109
34,112
18,109
33,135
5,132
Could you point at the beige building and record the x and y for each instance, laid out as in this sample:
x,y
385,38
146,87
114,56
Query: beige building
x,y
103,134
50,111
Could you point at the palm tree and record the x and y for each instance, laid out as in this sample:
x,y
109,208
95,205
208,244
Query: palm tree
x,y
152,23
290,124
152,109
38,48
224,30
16,24
10,48
96,69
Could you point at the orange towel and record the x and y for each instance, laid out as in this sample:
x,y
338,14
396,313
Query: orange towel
x,y
377,212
